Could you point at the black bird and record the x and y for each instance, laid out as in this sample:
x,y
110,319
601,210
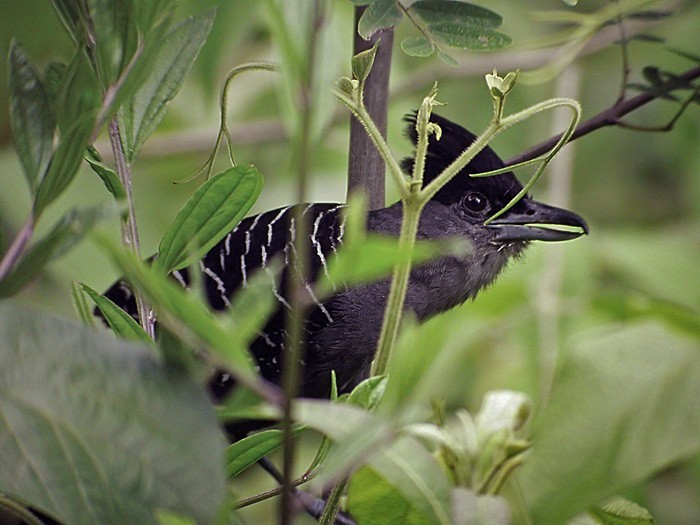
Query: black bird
x,y
342,331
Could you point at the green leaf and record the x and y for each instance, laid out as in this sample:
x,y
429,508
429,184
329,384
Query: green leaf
x,y
185,314
64,235
110,24
80,302
121,323
214,209
248,451
362,63
369,393
459,13
620,511
73,22
379,15
141,114
64,164
470,37
372,499
622,407
417,46
79,96
95,430
54,75
107,174
33,121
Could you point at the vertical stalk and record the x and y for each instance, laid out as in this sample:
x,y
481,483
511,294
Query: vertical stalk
x,y
412,208
548,293
300,262
366,166
130,234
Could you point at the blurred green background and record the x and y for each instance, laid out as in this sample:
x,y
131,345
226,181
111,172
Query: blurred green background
x,y
640,192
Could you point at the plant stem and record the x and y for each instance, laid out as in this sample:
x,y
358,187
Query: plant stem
x,y
14,252
399,283
130,234
330,511
300,260
366,166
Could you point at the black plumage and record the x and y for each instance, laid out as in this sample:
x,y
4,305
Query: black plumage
x,y
342,331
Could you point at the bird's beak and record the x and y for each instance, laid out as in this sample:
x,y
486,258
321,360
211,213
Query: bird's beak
x,y
531,220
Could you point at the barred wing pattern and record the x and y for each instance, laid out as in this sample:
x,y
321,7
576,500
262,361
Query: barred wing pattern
x,y
248,248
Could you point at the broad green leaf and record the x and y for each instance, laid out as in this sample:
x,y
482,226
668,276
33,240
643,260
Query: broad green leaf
x,y
460,13
470,37
95,430
366,259
33,121
417,475
372,499
142,114
379,15
417,46
121,323
64,164
214,209
107,174
185,314
63,236
623,406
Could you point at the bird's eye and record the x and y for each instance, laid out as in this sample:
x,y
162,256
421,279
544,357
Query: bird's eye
x,y
475,203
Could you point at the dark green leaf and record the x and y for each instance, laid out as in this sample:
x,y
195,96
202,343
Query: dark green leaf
x,y
64,164
248,451
214,209
143,112
379,15
650,15
68,231
108,176
455,12
623,407
72,18
54,75
121,323
110,24
417,46
33,121
470,37
94,430
372,499
79,97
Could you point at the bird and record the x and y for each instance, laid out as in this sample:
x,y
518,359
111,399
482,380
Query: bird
x,y
341,331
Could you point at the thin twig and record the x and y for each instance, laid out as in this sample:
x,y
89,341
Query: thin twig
x,y
130,234
300,256
366,167
608,117
16,249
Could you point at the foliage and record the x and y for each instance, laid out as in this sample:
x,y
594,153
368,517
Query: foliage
x,y
97,429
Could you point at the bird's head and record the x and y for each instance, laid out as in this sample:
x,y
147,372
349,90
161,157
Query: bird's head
x,y
476,199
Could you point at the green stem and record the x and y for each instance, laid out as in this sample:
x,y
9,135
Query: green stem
x,y
412,208
330,511
363,116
